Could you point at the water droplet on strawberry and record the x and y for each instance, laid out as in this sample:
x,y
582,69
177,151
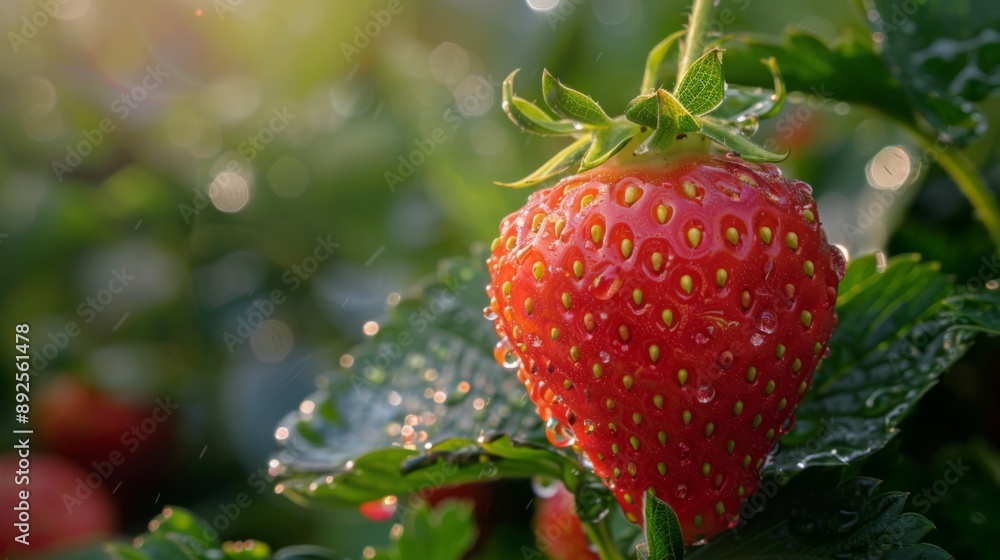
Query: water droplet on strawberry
x,y
756,339
684,450
767,322
700,338
826,352
607,283
770,169
559,434
605,357
505,356
705,394
681,492
489,314
534,340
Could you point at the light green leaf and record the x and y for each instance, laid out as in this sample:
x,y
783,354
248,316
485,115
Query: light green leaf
x,y
703,87
671,119
643,110
572,104
528,116
559,164
664,540
608,142
731,138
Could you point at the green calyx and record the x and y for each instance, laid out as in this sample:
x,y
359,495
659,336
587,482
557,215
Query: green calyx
x,y
652,121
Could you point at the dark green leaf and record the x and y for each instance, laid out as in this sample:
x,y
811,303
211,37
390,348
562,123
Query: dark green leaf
x,y
809,520
946,54
703,86
655,59
663,531
444,533
849,71
528,116
608,142
559,164
898,331
399,472
732,138
572,104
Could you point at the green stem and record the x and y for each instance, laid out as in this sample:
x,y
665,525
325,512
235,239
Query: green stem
x,y
600,536
972,185
694,44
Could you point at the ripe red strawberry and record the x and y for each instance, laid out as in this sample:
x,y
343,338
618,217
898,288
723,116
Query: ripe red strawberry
x,y
666,307
670,316
558,532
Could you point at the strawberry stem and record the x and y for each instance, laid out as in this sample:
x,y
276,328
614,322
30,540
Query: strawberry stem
x,y
694,43
600,536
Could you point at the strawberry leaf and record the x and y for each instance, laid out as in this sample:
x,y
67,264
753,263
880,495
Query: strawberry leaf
x,y
847,71
177,534
944,55
663,531
643,110
444,533
572,104
607,142
731,137
813,519
671,119
422,401
559,164
899,330
528,116
703,87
